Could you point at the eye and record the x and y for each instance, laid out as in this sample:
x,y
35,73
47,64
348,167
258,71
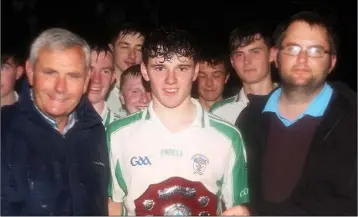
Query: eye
x,y
315,51
50,72
106,71
159,68
183,69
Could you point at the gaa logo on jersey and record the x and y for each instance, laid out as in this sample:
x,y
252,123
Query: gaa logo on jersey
x,y
199,163
140,161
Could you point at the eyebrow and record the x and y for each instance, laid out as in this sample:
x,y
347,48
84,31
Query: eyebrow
x,y
127,44
317,46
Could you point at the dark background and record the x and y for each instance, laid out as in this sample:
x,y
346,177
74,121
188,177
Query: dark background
x,y
22,20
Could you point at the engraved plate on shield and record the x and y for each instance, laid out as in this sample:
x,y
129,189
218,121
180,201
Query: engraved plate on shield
x,y
168,192
177,209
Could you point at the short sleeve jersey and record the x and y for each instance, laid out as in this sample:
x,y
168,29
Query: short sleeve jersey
x,y
144,152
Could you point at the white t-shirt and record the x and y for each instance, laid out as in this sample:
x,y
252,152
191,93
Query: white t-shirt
x,y
144,152
229,109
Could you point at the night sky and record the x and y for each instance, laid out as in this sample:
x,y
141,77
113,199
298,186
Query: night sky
x,y
22,20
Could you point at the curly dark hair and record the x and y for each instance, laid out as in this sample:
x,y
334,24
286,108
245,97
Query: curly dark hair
x,y
168,41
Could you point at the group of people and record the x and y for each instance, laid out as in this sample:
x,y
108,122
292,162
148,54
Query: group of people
x,y
112,128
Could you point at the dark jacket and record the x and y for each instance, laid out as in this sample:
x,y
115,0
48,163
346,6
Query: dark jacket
x,y
328,184
46,173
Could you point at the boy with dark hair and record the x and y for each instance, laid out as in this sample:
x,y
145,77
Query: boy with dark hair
x,y
173,157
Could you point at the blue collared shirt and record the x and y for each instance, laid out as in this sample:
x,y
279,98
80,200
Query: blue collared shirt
x,y
72,119
315,109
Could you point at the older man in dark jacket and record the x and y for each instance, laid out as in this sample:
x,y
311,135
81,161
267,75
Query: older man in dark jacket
x,y
54,159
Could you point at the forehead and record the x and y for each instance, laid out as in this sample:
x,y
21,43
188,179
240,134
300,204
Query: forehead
x,y
257,43
130,38
305,34
101,58
205,67
174,61
67,59
131,81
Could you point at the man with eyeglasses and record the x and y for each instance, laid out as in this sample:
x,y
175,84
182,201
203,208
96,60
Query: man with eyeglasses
x,y
301,140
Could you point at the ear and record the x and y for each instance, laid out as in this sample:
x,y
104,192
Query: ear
x,y
29,72
113,79
227,77
121,98
333,63
196,71
273,54
144,72
111,46
231,61
19,72
87,79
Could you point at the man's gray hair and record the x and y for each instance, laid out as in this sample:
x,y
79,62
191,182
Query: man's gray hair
x,y
57,38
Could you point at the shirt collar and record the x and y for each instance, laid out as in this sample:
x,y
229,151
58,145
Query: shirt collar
x,y
199,120
72,118
316,108
104,112
242,96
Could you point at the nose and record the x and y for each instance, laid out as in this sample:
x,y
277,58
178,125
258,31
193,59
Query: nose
x,y
133,54
247,59
96,77
145,98
171,77
302,57
209,82
61,85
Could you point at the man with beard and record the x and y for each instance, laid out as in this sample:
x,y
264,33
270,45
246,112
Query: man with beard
x,y
301,140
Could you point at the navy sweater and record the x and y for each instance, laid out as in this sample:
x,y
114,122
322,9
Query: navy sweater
x,y
46,173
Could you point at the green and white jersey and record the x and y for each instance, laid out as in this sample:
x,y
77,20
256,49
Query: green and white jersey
x,y
229,109
144,152
113,102
108,116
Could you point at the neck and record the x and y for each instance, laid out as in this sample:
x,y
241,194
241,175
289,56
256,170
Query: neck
x,y
61,123
9,99
178,118
118,72
207,104
263,87
99,107
294,101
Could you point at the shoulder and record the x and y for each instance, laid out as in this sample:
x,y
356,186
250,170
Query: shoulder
x,y
223,127
125,122
222,103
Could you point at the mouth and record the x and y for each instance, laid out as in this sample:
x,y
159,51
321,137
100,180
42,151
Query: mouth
x,y
95,88
129,63
170,91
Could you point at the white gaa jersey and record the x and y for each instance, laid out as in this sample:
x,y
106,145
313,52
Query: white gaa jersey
x,y
229,109
144,152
